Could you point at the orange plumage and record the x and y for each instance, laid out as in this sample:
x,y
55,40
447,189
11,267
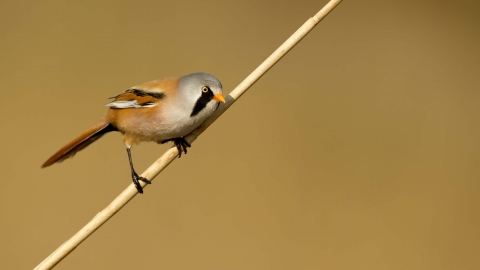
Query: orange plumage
x,y
91,135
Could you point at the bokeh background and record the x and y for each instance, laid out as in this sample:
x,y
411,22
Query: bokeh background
x,y
359,150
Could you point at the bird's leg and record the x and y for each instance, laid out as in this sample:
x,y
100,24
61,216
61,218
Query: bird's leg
x,y
180,143
135,176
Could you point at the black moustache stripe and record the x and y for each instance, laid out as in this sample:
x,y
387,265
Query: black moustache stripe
x,y
202,102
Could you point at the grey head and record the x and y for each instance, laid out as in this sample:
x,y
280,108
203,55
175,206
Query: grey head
x,y
201,90
200,79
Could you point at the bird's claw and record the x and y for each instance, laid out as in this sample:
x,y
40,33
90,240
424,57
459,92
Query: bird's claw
x,y
136,181
181,144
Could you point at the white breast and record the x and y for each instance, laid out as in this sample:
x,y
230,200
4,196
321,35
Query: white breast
x,y
177,122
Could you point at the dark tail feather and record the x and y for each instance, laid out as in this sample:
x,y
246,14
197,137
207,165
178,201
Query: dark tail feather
x,y
82,141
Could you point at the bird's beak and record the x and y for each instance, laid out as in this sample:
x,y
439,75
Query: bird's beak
x,y
219,97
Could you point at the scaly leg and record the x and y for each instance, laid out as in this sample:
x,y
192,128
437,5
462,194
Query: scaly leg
x,y
135,176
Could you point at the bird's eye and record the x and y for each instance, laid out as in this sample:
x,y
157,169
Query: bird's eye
x,y
205,89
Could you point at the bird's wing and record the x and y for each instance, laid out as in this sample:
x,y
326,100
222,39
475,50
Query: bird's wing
x,y
136,98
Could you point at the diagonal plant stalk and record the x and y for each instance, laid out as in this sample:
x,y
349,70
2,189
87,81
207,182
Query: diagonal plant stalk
x,y
171,154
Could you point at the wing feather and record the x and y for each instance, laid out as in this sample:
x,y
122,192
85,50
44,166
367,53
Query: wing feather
x,y
136,98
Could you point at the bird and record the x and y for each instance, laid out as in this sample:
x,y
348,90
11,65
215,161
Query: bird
x,y
157,111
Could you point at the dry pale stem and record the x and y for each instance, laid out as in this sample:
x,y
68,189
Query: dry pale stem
x,y
171,154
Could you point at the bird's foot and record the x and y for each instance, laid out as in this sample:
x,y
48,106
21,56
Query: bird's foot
x,y
136,181
181,145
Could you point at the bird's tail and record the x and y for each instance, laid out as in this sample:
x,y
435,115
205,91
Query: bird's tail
x,y
82,141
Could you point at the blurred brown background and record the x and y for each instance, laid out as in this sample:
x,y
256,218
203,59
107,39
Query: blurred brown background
x,y
358,150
